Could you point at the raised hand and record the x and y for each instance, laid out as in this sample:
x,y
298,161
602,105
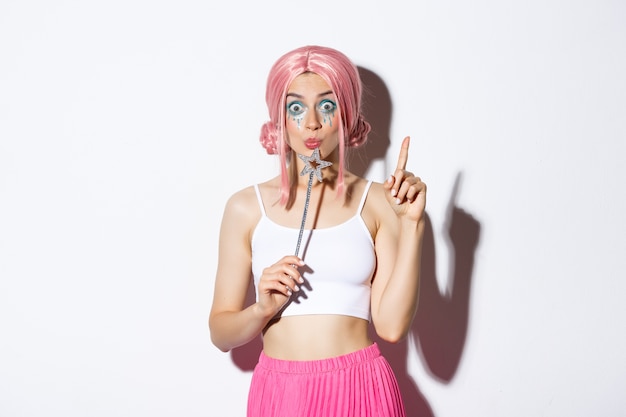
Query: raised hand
x,y
406,192
278,282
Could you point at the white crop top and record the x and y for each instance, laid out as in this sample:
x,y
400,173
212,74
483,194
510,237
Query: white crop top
x,y
340,262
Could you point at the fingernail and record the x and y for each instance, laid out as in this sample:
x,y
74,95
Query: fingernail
x,y
390,179
301,280
393,192
295,287
398,201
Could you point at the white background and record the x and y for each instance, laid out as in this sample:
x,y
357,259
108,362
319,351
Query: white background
x,y
125,125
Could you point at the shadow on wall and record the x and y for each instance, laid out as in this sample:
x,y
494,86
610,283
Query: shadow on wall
x,y
440,326
377,111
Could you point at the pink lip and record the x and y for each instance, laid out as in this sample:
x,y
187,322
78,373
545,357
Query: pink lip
x,y
312,143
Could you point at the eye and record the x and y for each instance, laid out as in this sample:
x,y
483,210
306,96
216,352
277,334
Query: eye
x,y
295,108
328,106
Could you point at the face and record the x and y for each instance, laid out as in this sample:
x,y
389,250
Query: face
x,y
312,115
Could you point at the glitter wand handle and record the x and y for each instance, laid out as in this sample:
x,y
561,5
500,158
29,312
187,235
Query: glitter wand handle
x,y
311,170
306,209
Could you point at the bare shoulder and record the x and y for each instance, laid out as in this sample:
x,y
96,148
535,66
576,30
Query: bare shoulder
x,y
241,201
242,209
376,200
377,211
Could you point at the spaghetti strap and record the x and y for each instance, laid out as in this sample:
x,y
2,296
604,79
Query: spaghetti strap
x,y
258,196
364,197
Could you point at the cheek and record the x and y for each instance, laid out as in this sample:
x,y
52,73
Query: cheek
x,y
293,127
330,119
294,122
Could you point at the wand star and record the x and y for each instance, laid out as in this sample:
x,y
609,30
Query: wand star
x,y
313,164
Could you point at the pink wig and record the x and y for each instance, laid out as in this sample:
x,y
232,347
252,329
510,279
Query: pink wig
x,y
343,78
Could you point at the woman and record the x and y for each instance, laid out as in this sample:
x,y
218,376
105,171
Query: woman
x,y
328,252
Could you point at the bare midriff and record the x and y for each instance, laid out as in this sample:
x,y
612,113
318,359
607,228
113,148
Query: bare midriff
x,y
314,337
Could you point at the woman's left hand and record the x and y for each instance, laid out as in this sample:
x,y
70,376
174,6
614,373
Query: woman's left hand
x,y
406,192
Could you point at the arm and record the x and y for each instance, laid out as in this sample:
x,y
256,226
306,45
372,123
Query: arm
x,y
231,323
395,288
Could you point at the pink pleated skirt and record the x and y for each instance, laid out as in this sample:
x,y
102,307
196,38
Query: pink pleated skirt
x,y
359,384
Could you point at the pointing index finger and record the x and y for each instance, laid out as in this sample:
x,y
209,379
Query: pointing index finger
x,y
404,154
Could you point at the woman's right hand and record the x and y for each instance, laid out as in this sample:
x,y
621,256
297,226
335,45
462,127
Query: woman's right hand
x,y
277,283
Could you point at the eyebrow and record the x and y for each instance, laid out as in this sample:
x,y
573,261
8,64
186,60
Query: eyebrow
x,y
296,95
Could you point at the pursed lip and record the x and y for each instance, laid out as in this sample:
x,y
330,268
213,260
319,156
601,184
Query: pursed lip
x,y
312,143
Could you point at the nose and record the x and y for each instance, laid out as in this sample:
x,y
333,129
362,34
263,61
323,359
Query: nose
x,y
312,121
